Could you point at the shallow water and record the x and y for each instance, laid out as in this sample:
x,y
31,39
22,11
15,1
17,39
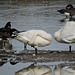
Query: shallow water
x,y
26,15
32,14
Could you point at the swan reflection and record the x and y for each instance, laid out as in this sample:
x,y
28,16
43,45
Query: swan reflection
x,y
68,70
38,70
5,44
35,70
46,70
65,70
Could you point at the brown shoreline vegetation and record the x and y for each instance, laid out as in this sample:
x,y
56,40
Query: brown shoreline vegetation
x,y
42,56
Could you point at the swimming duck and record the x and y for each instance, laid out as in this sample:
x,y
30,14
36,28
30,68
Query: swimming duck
x,y
69,11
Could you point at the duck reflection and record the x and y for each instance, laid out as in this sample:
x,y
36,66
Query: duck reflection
x,y
13,61
67,19
5,44
35,70
2,61
5,60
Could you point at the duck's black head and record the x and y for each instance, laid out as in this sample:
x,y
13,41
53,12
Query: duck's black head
x,y
69,6
8,25
62,11
14,32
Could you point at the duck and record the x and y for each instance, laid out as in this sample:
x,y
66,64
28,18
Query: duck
x,y
69,11
5,31
8,25
66,34
34,38
5,35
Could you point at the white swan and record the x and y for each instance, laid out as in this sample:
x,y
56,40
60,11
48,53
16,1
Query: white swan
x,y
66,34
35,38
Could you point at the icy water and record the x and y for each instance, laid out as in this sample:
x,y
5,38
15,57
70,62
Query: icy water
x,y
32,14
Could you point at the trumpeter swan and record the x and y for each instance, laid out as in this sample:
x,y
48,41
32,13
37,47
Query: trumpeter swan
x,y
35,38
66,34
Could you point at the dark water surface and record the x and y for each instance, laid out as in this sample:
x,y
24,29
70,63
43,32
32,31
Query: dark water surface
x,y
32,14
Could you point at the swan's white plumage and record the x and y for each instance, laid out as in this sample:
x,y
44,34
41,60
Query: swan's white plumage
x,y
37,38
57,36
66,34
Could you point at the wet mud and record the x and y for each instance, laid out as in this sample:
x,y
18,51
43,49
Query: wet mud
x,y
42,56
